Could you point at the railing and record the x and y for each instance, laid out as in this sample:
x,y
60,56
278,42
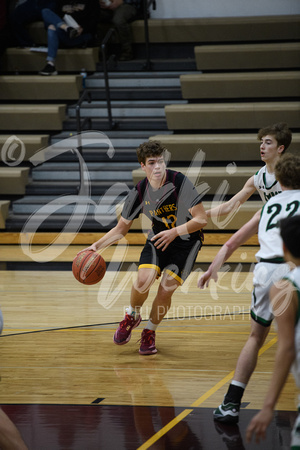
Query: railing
x,y
147,4
148,65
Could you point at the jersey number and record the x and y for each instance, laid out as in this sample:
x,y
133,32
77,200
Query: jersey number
x,y
275,210
168,224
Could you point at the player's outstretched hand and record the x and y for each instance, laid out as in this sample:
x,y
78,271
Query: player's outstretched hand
x,y
206,277
259,424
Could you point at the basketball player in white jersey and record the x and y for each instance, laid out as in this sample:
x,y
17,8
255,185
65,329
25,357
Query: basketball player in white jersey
x,y
270,268
286,294
274,141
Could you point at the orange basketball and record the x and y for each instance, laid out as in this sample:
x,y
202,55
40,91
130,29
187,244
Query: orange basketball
x,y
88,267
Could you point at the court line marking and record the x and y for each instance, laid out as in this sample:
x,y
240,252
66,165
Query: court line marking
x,y
198,402
80,328
165,429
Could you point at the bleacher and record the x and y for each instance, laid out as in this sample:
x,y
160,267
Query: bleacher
x,y
244,74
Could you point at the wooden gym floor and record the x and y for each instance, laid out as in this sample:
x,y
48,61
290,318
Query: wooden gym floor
x,y
67,386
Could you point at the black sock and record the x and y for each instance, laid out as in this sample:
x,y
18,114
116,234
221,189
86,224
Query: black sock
x,y
234,394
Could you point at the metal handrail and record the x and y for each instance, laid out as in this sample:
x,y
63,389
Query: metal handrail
x,y
147,4
79,125
106,39
147,66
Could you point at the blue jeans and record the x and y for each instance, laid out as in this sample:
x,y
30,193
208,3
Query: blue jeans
x,y
57,36
27,12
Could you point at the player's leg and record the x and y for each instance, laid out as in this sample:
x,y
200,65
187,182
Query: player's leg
x,y
160,307
139,293
228,411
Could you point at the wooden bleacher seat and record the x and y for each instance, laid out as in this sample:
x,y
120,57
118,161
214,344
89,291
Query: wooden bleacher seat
x,y
220,29
283,55
25,87
32,117
228,116
217,147
13,180
241,85
213,176
68,60
4,209
32,143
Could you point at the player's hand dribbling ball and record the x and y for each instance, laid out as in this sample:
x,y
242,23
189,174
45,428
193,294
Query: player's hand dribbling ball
x,y
88,267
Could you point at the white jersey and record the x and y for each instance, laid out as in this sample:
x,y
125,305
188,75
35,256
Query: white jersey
x,y
282,205
266,184
294,277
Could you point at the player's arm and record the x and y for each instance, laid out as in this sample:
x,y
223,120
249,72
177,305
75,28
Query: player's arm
x,y
235,202
236,240
198,221
112,236
284,298
9,434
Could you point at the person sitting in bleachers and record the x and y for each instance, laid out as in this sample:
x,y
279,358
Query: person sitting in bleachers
x,y
25,12
120,13
61,31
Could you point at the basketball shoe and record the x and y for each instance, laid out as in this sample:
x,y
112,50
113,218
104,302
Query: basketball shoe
x,y
227,413
147,343
123,332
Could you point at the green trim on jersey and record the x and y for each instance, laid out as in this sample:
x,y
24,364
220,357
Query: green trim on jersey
x,y
265,181
260,320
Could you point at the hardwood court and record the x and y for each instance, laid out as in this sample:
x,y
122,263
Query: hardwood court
x,y
67,386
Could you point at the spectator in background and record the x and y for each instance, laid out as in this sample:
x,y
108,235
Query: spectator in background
x,y
3,27
25,12
120,13
60,32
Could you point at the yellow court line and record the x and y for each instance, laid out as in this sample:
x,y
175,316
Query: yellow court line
x,y
198,402
165,429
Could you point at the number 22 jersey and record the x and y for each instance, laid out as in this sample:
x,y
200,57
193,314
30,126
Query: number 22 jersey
x,y
285,204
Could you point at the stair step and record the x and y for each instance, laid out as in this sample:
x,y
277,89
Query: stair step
x,y
137,108
98,188
105,205
59,222
135,80
122,124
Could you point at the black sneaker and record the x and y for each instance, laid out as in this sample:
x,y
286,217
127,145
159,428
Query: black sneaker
x,y
49,69
227,412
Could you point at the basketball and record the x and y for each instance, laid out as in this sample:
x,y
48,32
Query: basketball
x,y
88,267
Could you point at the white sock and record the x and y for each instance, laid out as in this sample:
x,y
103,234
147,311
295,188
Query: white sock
x,y
151,326
133,311
239,384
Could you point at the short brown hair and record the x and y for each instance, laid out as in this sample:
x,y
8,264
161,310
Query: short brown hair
x,y
280,131
290,233
287,171
150,148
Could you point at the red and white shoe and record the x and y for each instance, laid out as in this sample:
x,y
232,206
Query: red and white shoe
x,y
147,343
123,332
